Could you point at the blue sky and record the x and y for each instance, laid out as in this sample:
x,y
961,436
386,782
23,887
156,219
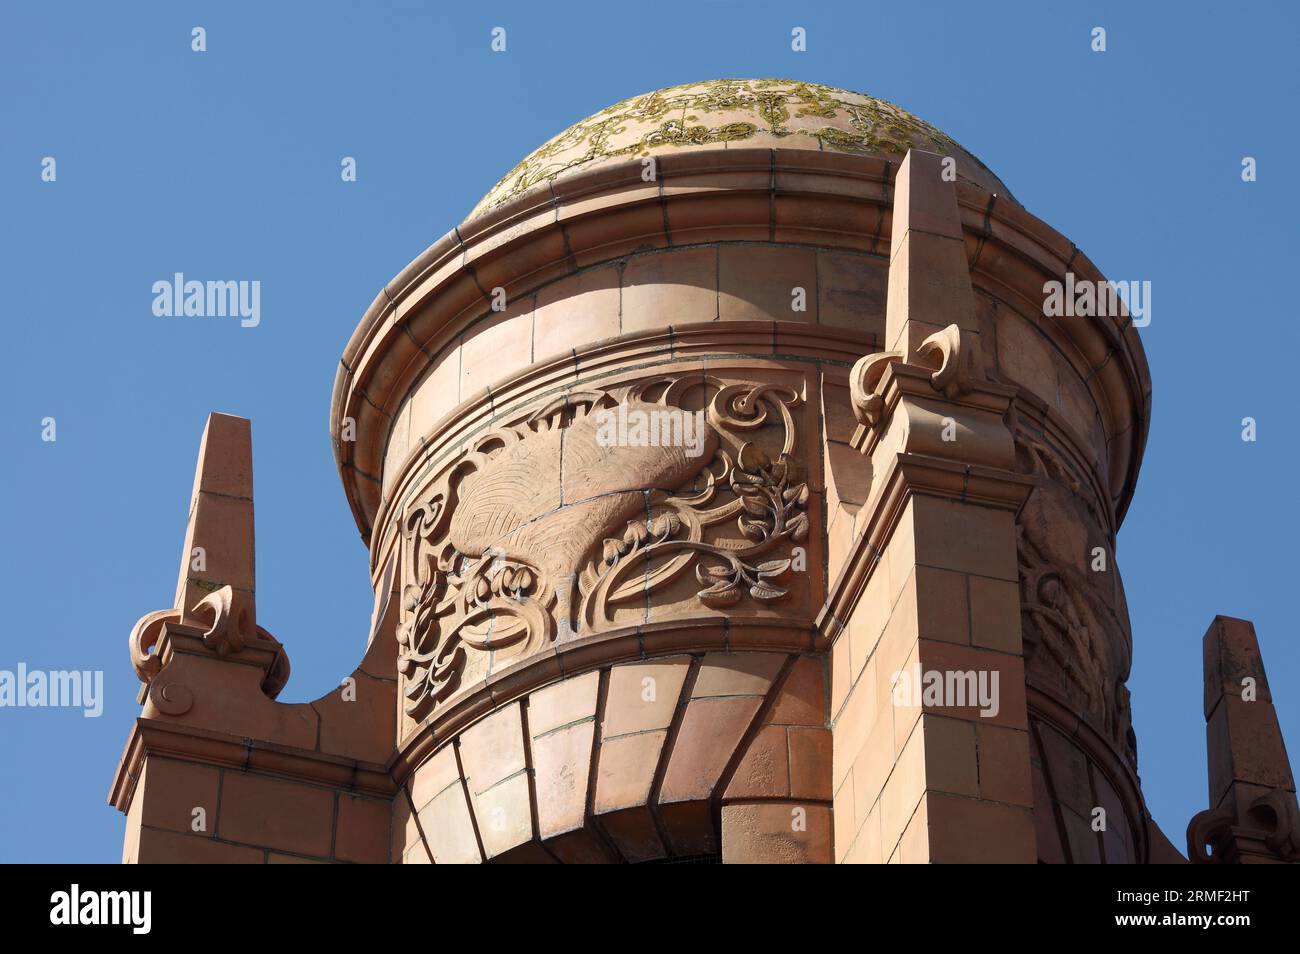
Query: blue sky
x,y
226,164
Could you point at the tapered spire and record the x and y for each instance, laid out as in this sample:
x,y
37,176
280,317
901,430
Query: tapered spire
x,y
929,280
1252,818
219,536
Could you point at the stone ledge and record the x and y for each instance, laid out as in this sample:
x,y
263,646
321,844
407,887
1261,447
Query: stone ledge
x,y
1016,256
209,747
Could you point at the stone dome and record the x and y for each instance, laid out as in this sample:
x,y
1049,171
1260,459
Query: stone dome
x,y
737,113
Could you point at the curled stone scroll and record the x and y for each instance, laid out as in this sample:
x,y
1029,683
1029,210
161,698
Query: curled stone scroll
x,y
543,530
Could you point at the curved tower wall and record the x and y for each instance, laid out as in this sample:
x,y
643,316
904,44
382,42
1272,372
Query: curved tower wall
x,y
729,422
684,294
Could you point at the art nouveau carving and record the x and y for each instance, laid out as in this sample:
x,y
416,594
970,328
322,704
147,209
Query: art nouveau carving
x,y
1076,638
229,616
766,507
955,358
544,529
952,357
144,639
864,379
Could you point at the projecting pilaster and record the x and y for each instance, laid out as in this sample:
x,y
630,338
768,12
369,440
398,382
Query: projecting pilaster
x,y
931,745
929,281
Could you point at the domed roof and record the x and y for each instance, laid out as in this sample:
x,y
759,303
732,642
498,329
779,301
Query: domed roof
x,y
738,113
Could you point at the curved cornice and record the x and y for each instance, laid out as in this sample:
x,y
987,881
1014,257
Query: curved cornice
x,y
799,197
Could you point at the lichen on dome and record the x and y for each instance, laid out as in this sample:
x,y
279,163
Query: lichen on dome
x,y
737,113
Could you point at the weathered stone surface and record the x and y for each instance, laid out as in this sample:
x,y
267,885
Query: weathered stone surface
x,y
653,566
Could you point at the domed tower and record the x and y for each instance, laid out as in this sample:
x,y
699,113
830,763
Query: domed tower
x,y
729,495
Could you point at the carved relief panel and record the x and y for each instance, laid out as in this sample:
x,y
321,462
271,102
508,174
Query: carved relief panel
x,y
1077,640
678,495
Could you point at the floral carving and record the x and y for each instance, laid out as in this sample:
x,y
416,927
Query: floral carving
x,y
767,507
541,532
727,111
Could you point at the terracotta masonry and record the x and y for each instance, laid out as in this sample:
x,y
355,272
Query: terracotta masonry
x,y
729,497
1253,817
930,582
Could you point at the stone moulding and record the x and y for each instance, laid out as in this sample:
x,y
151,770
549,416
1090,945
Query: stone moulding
x,y
909,474
692,348
539,534
886,393
896,381
1068,634
523,564
227,627
586,653
556,229
154,737
1034,422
